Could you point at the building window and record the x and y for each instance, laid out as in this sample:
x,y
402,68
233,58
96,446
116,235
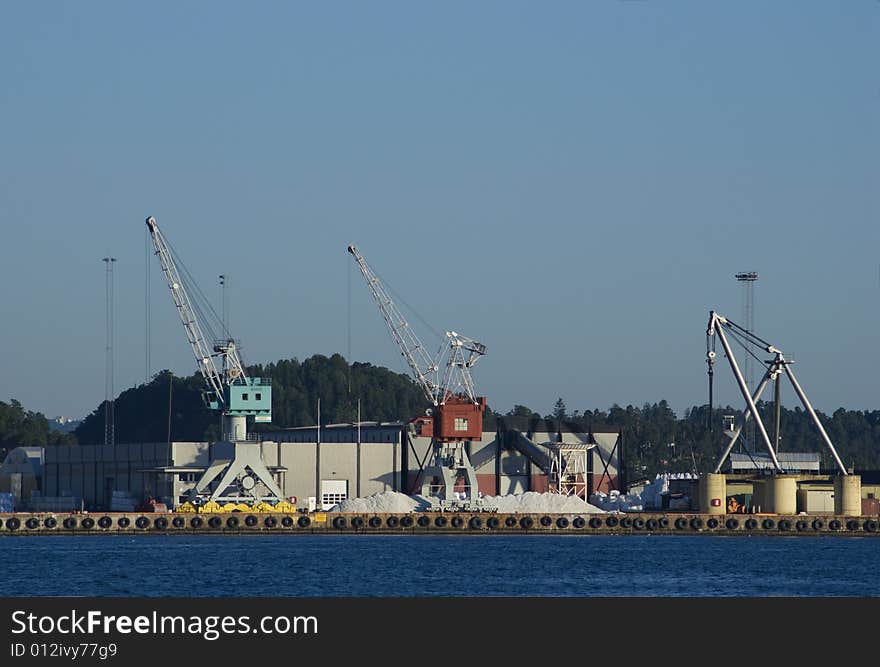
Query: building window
x,y
461,424
244,397
258,397
186,476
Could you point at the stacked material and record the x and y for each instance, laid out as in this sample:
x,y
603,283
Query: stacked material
x,y
121,501
7,503
55,503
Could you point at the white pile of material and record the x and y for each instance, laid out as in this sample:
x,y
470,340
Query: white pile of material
x,y
531,502
525,503
649,498
390,501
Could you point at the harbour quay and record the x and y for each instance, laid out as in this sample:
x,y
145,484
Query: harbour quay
x,y
447,523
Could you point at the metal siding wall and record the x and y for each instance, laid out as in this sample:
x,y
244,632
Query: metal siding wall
x,y
299,459
377,466
338,463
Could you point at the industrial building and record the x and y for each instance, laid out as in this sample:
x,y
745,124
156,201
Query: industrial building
x,y
340,461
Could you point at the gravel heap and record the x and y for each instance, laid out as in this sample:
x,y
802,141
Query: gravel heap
x,y
389,501
524,503
532,502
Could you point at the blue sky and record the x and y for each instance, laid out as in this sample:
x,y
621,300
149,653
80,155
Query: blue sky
x,y
574,184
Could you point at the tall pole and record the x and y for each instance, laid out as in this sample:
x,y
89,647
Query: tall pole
x,y
109,392
223,280
147,314
748,279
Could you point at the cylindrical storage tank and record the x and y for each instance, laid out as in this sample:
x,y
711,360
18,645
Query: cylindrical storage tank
x,y
713,493
783,494
848,495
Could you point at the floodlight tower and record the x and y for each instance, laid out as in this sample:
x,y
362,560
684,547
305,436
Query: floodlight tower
x,y
109,391
748,280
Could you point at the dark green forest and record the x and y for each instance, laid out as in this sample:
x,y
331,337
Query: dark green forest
x,y
655,438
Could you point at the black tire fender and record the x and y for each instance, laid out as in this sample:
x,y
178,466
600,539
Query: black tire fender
x,y
562,522
374,522
250,521
303,522
596,523
406,521
196,522
546,521
87,523
732,523
423,521
357,522
105,522
270,522
142,522
215,522
392,521
440,522
32,523
13,523
526,522
122,522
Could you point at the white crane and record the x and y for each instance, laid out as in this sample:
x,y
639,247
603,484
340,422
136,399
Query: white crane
x,y
775,367
456,413
229,390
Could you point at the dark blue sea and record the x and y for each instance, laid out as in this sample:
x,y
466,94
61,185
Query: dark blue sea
x,y
435,566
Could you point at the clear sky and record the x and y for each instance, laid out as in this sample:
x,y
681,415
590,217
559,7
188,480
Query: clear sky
x,y
574,184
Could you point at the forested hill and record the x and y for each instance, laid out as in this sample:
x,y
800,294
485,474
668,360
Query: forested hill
x,y
142,412
23,428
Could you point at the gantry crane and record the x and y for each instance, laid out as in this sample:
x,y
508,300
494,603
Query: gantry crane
x,y
238,472
775,367
456,413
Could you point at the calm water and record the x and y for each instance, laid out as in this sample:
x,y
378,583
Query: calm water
x,y
404,566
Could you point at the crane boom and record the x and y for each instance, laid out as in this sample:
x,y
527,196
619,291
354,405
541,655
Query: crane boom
x,y
424,369
183,303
